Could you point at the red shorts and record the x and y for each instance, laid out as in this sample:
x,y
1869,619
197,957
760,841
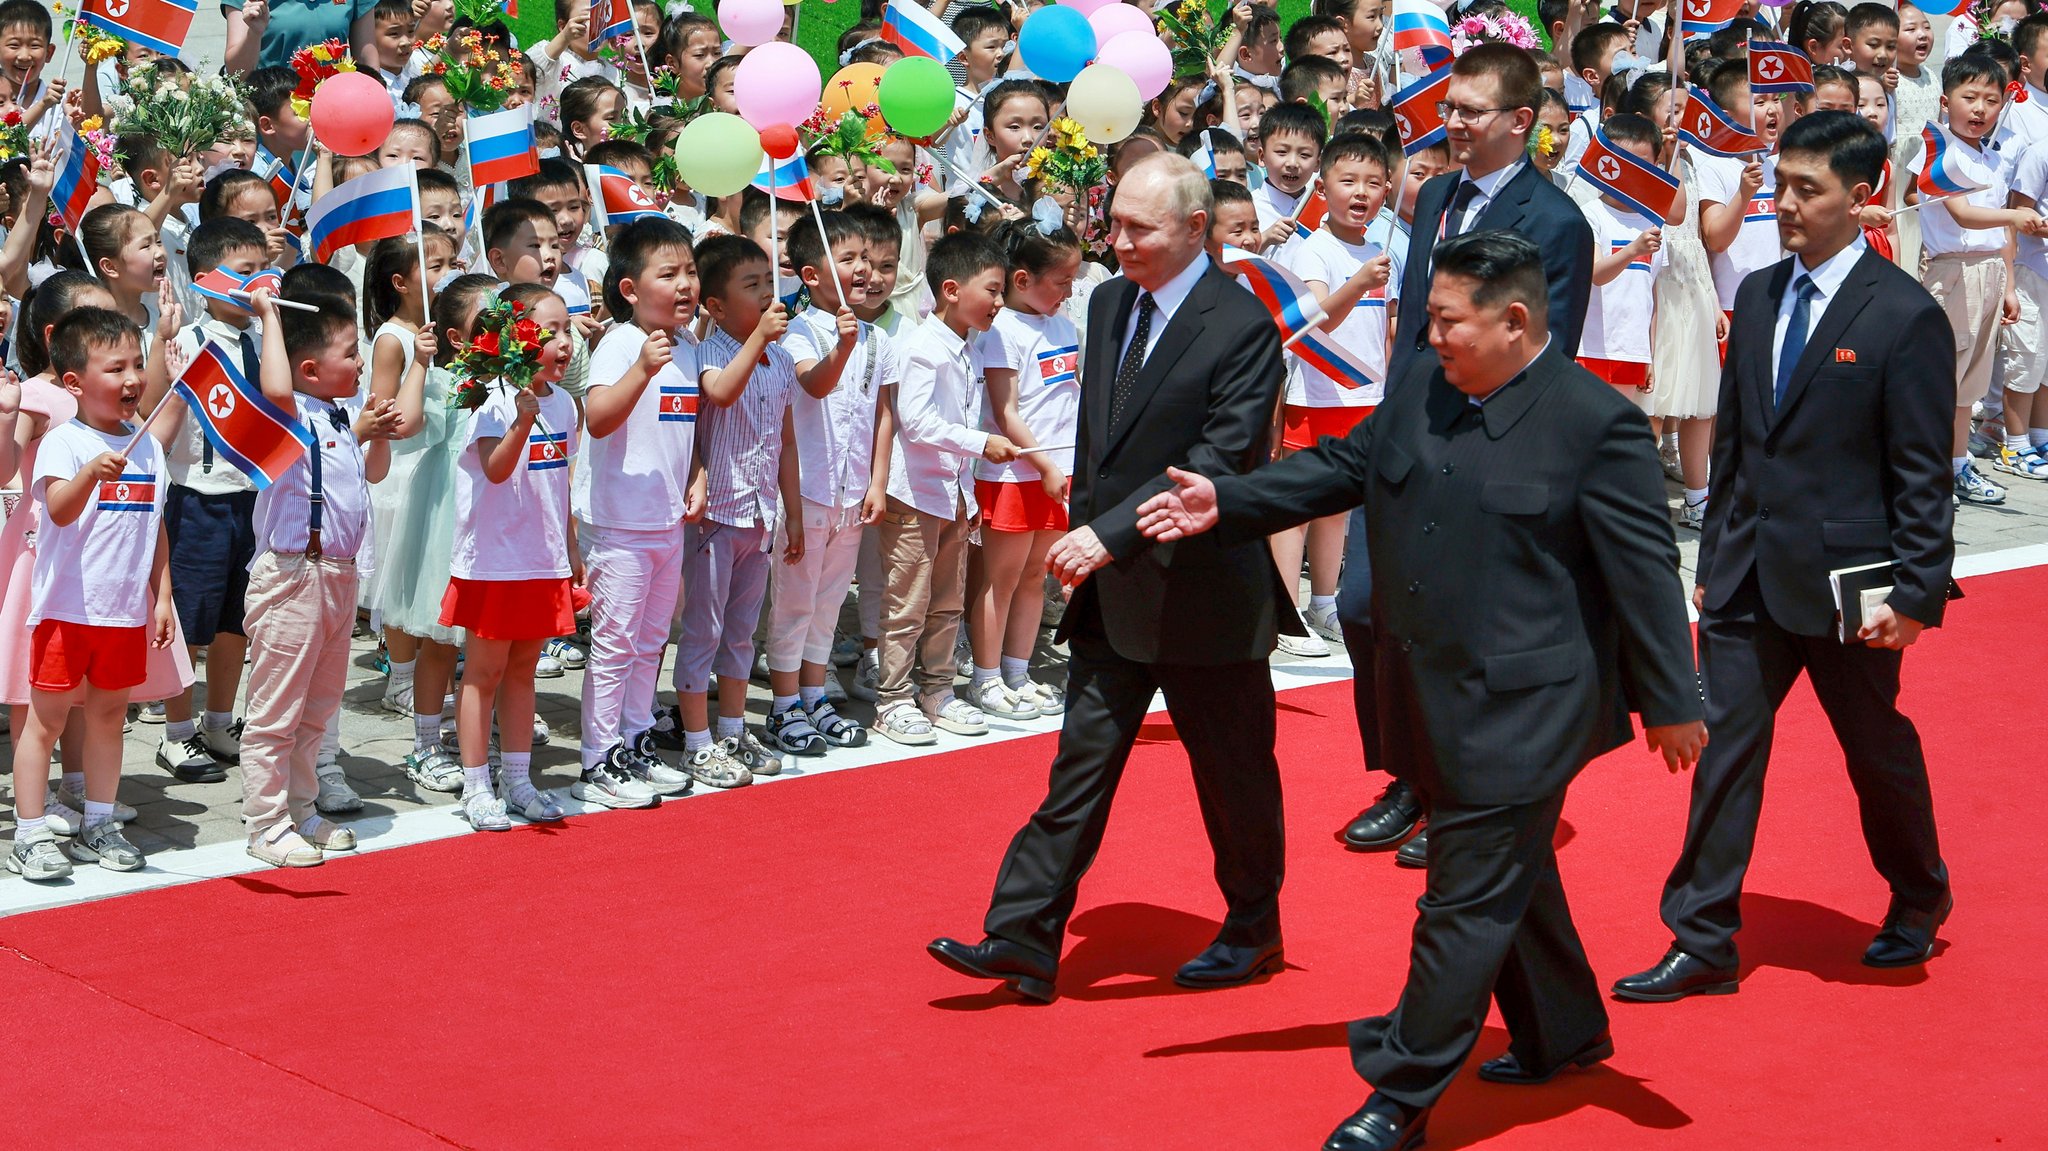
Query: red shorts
x,y
1302,428
510,610
1620,373
63,655
1018,506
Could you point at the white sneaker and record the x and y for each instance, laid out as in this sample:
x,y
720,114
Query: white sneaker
x,y
224,743
37,858
645,764
1693,516
713,766
867,677
151,712
1322,621
1973,488
76,802
547,667
336,796
611,783
1309,646
995,698
484,812
749,753
960,717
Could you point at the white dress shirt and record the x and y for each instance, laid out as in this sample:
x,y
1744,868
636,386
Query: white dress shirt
x,y
1489,188
284,509
939,389
1167,300
1827,280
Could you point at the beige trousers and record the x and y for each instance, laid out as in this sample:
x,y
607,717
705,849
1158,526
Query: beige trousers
x,y
299,615
924,568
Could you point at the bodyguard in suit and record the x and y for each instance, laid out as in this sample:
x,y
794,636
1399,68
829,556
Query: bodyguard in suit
x,y
1489,111
1183,369
1830,451
1526,590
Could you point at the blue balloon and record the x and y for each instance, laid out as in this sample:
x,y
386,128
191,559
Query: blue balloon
x,y
1056,43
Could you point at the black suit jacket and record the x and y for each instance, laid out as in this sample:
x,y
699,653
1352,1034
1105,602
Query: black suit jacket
x,y
1853,468
1203,401
1528,203
1525,578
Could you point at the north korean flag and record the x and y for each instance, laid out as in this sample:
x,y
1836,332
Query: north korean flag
x,y
1778,68
611,18
1705,126
156,24
679,404
1309,216
546,451
1699,17
1415,115
615,199
1628,178
259,438
1057,366
133,492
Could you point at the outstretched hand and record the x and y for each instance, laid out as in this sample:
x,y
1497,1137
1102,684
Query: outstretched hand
x,y
1188,508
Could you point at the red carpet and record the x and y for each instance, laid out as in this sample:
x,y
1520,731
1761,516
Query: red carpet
x,y
748,970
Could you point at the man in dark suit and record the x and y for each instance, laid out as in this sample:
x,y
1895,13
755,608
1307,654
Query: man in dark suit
x,y
1490,111
1830,451
1525,592
1183,368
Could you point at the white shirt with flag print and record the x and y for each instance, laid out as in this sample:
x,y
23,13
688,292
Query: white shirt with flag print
x,y
1329,261
1045,352
1618,317
95,570
519,529
1756,245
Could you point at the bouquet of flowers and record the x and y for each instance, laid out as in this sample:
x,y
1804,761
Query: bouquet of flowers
x,y
1497,28
850,137
94,44
506,350
1196,32
475,69
314,64
106,146
1067,160
183,111
13,137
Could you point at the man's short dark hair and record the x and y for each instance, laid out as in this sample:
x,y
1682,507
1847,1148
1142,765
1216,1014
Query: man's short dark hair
x,y
506,217
1507,267
1629,128
1307,29
271,88
1514,73
719,258
1358,146
1299,119
1868,14
1305,77
1977,63
1853,149
877,224
554,173
1593,41
29,14
2026,35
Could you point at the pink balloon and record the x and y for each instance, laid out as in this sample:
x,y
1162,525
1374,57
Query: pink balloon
x,y
1143,57
777,83
1088,7
1113,20
750,22
351,114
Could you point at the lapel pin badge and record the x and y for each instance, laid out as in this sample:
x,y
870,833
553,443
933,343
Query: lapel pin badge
x,y
1845,355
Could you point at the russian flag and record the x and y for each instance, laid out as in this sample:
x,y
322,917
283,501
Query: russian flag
x,y
1626,177
1205,157
679,403
788,179
259,438
1415,114
76,182
222,284
611,18
1705,126
373,206
615,198
1309,216
1702,16
160,25
1947,169
132,492
501,146
1778,68
1296,312
1420,25
912,27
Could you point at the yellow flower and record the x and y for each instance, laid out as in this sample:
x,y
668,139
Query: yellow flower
x,y
302,106
323,54
104,49
90,124
345,64
1088,151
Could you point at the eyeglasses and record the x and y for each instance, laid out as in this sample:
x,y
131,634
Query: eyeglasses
x,y
1448,111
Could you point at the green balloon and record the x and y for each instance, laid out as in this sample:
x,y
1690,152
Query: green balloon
x,y
916,96
718,153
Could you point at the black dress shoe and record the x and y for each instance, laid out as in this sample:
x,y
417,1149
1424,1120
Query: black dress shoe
x,y
1676,976
1508,1069
1380,1125
1415,852
1221,965
1029,972
1907,937
1387,822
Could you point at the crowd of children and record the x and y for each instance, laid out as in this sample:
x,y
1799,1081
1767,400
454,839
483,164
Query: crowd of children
x,y
709,450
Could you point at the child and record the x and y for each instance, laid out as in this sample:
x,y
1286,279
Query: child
x,y
1017,113
126,252
1349,275
243,195
1034,397
208,517
441,201
1593,53
760,220
390,41
1291,147
281,133
522,246
2024,124
1874,104
1738,195
310,526
1258,55
1873,31
590,107
1362,21
515,560
1627,257
924,532
412,142
1314,78
986,32
843,366
1968,244
569,56
559,187
1236,220
1225,155
634,493
884,244
1320,36
1819,29
99,551
25,49
690,45
1173,112
1834,90
2023,346
749,451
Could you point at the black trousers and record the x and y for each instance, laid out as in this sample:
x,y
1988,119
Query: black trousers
x,y
1354,613
1224,716
1750,663
1492,923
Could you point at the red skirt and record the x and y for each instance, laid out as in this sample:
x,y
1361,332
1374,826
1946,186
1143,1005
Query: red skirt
x,y
1620,373
1018,506
1303,428
510,610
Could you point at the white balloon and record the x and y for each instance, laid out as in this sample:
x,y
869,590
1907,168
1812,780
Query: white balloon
x,y
1105,102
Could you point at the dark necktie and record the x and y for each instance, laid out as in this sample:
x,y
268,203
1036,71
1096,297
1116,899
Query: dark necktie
x,y
1134,358
1795,336
1454,219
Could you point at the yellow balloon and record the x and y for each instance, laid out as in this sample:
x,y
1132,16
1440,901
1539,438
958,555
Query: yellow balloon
x,y
1105,102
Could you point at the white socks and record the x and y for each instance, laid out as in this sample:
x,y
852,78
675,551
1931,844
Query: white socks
x,y
731,728
518,773
696,741
219,720
811,696
476,779
1319,602
984,674
785,702
180,730
426,733
1958,463
98,813
1016,672
74,782
1695,497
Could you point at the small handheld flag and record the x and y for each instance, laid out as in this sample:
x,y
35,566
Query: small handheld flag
x,y
1204,156
1415,114
788,179
1420,25
259,438
1699,17
912,27
611,18
224,285
1778,68
1705,126
1296,313
1309,216
615,198
159,25
501,146
77,180
374,206
1628,178
1945,168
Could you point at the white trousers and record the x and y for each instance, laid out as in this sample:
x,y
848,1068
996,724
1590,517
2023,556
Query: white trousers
x,y
635,579
809,594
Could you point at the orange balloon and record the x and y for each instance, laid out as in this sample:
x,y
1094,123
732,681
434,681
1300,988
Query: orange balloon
x,y
855,88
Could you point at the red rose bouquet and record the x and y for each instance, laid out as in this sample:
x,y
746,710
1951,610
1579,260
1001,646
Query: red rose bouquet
x,y
506,351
